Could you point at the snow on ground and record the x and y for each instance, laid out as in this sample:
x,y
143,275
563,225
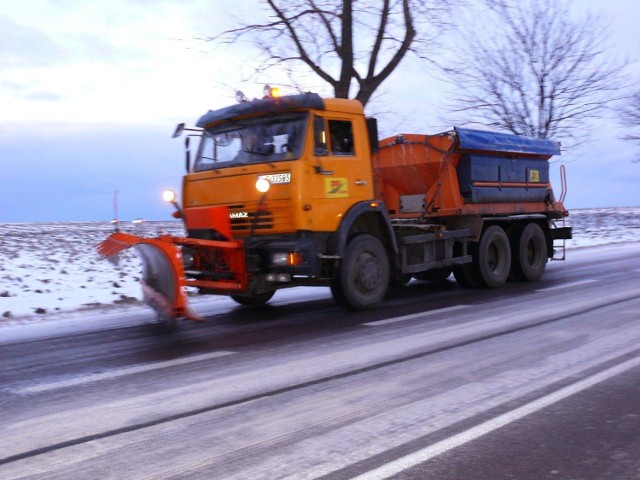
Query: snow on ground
x,y
50,269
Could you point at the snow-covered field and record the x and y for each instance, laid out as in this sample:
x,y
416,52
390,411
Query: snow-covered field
x,y
49,269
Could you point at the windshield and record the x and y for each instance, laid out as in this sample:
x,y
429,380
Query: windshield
x,y
257,140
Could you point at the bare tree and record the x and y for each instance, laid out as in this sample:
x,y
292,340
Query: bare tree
x,y
538,73
630,118
349,44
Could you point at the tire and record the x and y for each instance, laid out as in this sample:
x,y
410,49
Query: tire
x,y
435,275
259,299
529,253
492,258
467,275
363,277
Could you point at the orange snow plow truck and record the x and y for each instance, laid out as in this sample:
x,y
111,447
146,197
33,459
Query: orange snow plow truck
x,y
297,190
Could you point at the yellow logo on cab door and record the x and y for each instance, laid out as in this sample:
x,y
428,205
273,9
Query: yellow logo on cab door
x,y
336,187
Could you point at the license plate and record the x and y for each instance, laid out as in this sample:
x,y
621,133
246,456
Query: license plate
x,y
276,178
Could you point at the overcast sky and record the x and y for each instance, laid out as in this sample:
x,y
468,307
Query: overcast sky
x,y
90,92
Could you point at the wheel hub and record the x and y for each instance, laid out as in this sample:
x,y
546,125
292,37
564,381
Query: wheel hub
x,y
367,272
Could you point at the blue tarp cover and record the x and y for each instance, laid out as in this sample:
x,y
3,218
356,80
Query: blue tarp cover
x,y
469,139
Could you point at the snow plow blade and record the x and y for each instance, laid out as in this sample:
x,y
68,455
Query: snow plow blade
x,y
163,278
215,267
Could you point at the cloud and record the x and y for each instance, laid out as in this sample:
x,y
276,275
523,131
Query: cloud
x,y
29,91
45,62
103,61
25,46
43,96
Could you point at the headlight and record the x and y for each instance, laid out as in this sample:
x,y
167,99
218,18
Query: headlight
x,y
169,196
263,185
286,259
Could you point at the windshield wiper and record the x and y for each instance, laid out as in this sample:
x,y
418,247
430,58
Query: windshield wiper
x,y
262,154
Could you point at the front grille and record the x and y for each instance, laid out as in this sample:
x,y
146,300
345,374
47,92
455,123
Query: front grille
x,y
273,217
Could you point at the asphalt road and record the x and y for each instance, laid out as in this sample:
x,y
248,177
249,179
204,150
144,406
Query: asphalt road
x,y
530,381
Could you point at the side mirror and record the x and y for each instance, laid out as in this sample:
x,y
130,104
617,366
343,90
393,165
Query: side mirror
x,y
187,153
178,131
372,128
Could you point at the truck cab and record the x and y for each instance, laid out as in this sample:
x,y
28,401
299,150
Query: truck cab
x,y
315,157
314,153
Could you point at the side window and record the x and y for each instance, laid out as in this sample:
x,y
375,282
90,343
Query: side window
x,y
341,135
320,137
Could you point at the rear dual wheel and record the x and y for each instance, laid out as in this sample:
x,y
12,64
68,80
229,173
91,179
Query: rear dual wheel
x,y
529,250
467,276
491,261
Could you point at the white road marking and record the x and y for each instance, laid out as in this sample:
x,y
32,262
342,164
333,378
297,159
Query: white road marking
x,y
415,315
567,285
120,372
413,459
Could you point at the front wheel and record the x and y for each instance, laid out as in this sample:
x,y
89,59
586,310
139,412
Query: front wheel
x,y
259,299
363,277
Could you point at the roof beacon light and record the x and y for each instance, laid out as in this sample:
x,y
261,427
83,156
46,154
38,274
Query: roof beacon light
x,y
241,97
271,91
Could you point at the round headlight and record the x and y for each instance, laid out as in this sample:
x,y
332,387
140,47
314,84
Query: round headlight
x,y
263,185
169,196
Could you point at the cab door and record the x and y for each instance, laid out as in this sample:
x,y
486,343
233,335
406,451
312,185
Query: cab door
x,y
342,167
